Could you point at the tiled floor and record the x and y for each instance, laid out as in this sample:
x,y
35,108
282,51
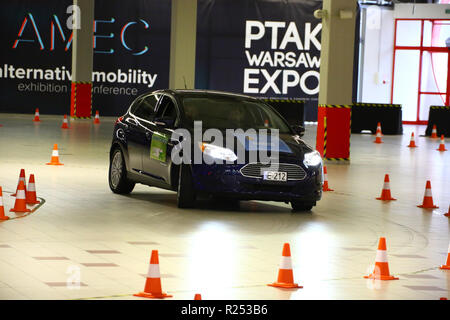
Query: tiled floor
x,y
85,232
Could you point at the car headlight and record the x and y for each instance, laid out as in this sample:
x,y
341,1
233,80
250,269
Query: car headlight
x,y
312,159
217,152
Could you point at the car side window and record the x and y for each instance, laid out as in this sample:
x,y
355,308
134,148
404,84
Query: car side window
x,y
170,111
167,110
146,108
135,104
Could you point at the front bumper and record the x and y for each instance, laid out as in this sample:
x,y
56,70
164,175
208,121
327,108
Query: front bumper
x,y
227,180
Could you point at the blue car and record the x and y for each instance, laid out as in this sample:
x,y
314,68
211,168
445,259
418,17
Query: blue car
x,y
152,144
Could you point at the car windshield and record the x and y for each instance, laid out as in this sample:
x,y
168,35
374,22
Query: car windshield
x,y
223,112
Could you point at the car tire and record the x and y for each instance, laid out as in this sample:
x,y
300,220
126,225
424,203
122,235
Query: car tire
x,y
298,206
186,193
117,176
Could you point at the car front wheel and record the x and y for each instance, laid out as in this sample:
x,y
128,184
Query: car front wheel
x,y
186,193
118,181
302,205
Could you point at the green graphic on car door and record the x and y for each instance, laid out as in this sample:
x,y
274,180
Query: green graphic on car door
x,y
158,147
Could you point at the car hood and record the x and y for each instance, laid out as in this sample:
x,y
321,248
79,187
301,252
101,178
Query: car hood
x,y
289,146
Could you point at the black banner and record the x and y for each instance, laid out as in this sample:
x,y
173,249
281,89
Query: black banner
x,y
131,54
262,48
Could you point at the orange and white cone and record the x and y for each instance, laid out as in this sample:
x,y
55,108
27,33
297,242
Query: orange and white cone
x,y
379,129
65,124
152,287
2,209
285,273
428,198
446,266
36,115
386,192
55,157
325,180
97,117
21,203
378,136
412,142
442,144
381,271
448,213
31,192
198,296
21,178
434,132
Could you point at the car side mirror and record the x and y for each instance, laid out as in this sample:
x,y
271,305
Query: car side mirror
x,y
300,130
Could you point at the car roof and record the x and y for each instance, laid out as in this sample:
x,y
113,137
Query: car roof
x,y
201,92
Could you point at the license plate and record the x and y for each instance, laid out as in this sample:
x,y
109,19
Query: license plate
x,y
275,176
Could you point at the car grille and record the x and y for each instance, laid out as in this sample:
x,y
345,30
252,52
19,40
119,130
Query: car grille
x,y
256,170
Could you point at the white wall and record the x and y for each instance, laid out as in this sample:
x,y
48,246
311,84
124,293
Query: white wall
x,y
376,71
421,11
378,42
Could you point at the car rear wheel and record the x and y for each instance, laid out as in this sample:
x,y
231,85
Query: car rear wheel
x,y
118,181
302,206
186,193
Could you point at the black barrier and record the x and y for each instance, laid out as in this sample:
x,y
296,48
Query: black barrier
x,y
291,110
439,116
365,116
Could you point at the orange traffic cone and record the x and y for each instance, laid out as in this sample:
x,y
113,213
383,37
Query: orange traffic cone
x,y
31,192
446,266
36,115
285,273
379,129
198,296
386,192
21,203
378,134
412,143
381,271
448,213
55,157
21,178
434,132
97,118
442,144
2,209
65,123
325,182
428,198
153,283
